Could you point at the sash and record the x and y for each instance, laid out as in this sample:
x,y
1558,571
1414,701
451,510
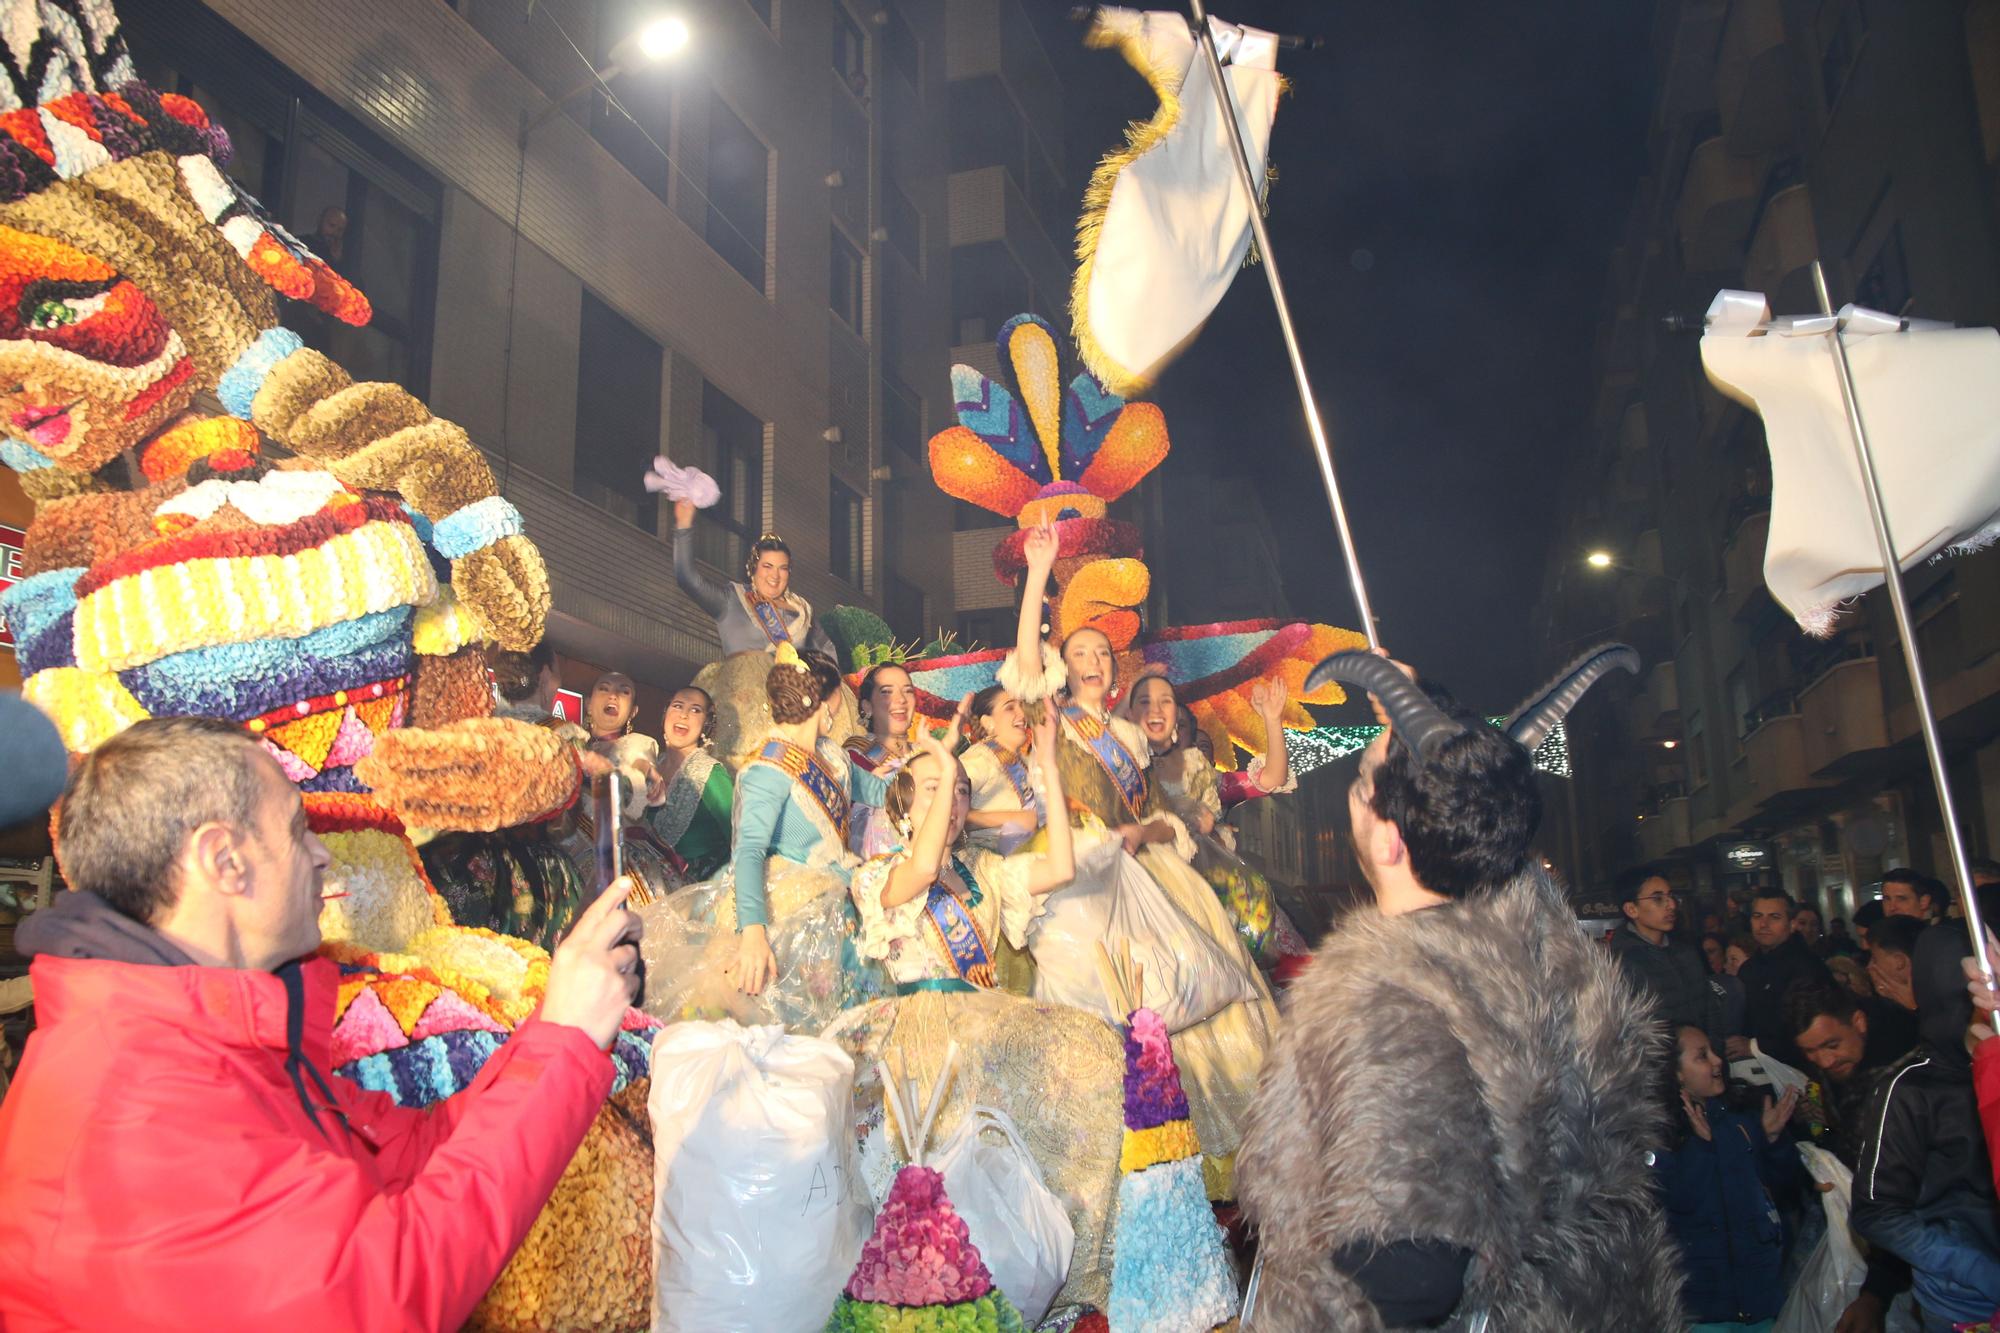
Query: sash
x,y
956,932
1112,756
1016,770
770,620
806,770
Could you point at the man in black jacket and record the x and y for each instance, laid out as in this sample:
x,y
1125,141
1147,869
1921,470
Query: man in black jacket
x,y
1923,1188
1782,958
1853,1044
1663,967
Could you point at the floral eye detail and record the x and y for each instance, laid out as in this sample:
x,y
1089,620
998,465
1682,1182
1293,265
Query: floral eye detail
x,y
56,305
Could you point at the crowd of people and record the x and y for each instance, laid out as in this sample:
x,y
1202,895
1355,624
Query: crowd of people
x,y
1858,1039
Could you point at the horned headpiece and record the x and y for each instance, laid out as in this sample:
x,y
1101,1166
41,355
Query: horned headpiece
x,y
1423,727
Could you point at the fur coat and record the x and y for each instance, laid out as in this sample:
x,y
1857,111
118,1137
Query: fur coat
x,y
1478,1073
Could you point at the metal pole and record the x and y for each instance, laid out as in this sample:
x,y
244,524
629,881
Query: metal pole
x,y
1321,450
1892,572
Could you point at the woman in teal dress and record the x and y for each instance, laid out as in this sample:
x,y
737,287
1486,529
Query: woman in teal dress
x,y
694,816
770,939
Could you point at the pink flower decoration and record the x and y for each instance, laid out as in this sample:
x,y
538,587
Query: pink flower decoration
x,y
367,1028
920,1253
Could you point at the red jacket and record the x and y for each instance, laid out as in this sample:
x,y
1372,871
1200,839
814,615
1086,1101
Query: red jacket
x,y
159,1170
1986,1084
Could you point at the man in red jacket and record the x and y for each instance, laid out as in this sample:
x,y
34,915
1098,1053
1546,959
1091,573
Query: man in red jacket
x,y
172,1154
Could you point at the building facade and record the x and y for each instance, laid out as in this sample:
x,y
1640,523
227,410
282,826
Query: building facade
x,y
737,259
1866,135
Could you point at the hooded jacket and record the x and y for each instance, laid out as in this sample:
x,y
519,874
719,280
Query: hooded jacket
x,y
172,1156
1476,1075
1923,1187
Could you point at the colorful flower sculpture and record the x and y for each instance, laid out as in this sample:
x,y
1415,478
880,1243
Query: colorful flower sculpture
x,y
1061,455
1170,1272
333,603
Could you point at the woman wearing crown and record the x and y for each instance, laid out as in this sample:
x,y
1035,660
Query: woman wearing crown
x,y
769,940
1103,760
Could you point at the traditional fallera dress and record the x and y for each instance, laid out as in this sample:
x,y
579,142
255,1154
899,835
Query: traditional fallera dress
x,y
1187,781
694,819
789,872
1104,761
1053,1070
1001,781
869,833
751,630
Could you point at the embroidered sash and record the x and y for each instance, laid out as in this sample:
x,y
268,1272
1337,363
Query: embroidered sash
x,y
806,770
1016,770
771,620
956,932
1112,756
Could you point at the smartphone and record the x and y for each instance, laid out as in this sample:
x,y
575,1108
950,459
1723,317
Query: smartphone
x,y
607,796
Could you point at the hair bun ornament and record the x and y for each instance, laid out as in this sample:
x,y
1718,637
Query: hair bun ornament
x,y
682,483
787,655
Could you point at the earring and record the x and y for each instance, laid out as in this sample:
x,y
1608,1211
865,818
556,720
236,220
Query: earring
x,y
628,728
903,826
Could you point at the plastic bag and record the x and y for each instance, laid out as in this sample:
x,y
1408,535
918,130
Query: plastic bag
x,y
1832,1274
1017,1223
758,1217
1113,901
1766,1071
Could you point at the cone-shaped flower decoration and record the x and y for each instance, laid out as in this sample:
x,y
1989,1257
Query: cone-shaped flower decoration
x,y
920,1271
1170,1272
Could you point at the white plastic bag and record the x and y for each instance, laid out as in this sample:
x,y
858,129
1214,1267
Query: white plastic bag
x,y
1764,1070
1113,901
758,1216
1832,1273
1017,1223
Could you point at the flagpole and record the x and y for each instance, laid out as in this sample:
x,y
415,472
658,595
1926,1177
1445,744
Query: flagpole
x,y
1321,451
1899,603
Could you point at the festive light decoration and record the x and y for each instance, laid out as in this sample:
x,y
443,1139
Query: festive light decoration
x,y
1320,746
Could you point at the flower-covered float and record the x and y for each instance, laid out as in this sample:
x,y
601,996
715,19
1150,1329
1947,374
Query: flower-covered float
x,y
1046,452
332,600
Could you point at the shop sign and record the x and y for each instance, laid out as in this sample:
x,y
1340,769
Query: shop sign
x,y
1743,856
12,540
569,706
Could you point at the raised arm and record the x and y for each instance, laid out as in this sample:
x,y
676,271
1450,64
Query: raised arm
x,y
1057,866
711,595
1268,698
916,872
1040,550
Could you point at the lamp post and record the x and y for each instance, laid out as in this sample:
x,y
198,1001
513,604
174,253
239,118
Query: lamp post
x,y
648,44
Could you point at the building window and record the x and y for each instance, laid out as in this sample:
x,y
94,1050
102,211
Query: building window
x,y
902,416
1886,284
739,174
762,9
1697,750
367,210
844,527
639,141
986,129
900,44
850,158
903,608
844,286
732,448
618,372
904,223
988,287
850,52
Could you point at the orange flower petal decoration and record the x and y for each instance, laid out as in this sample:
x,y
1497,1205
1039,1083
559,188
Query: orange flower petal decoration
x,y
1136,445
336,295
280,269
967,468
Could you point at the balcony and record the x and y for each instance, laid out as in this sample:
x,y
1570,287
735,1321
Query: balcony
x,y
1666,831
982,356
1782,251
1775,771
1663,699
1718,201
1743,565
1753,80
1845,727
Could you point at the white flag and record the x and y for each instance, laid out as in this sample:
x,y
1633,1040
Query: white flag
x,y
1930,398
1166,221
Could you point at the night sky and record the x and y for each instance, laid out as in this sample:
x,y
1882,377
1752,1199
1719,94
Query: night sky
x,y
1452,179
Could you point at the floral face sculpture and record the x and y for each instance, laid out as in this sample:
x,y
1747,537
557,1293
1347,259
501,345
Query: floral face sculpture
x,y
333,603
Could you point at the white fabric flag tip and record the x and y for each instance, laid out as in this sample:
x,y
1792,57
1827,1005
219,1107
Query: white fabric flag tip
x,y
1929,395
1166,221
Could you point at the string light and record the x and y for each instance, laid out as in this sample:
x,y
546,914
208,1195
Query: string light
x,y
1308,750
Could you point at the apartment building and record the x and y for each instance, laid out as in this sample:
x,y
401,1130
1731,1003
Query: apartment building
x,y
742,265
1866,135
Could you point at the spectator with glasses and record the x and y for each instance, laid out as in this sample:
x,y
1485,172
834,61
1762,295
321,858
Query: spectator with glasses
x,y
1669,970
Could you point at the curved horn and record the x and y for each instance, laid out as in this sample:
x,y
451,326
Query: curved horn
x,y
1534,720
1418,723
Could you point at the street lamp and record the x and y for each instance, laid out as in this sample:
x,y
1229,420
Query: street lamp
x,y
653,41
1599,560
